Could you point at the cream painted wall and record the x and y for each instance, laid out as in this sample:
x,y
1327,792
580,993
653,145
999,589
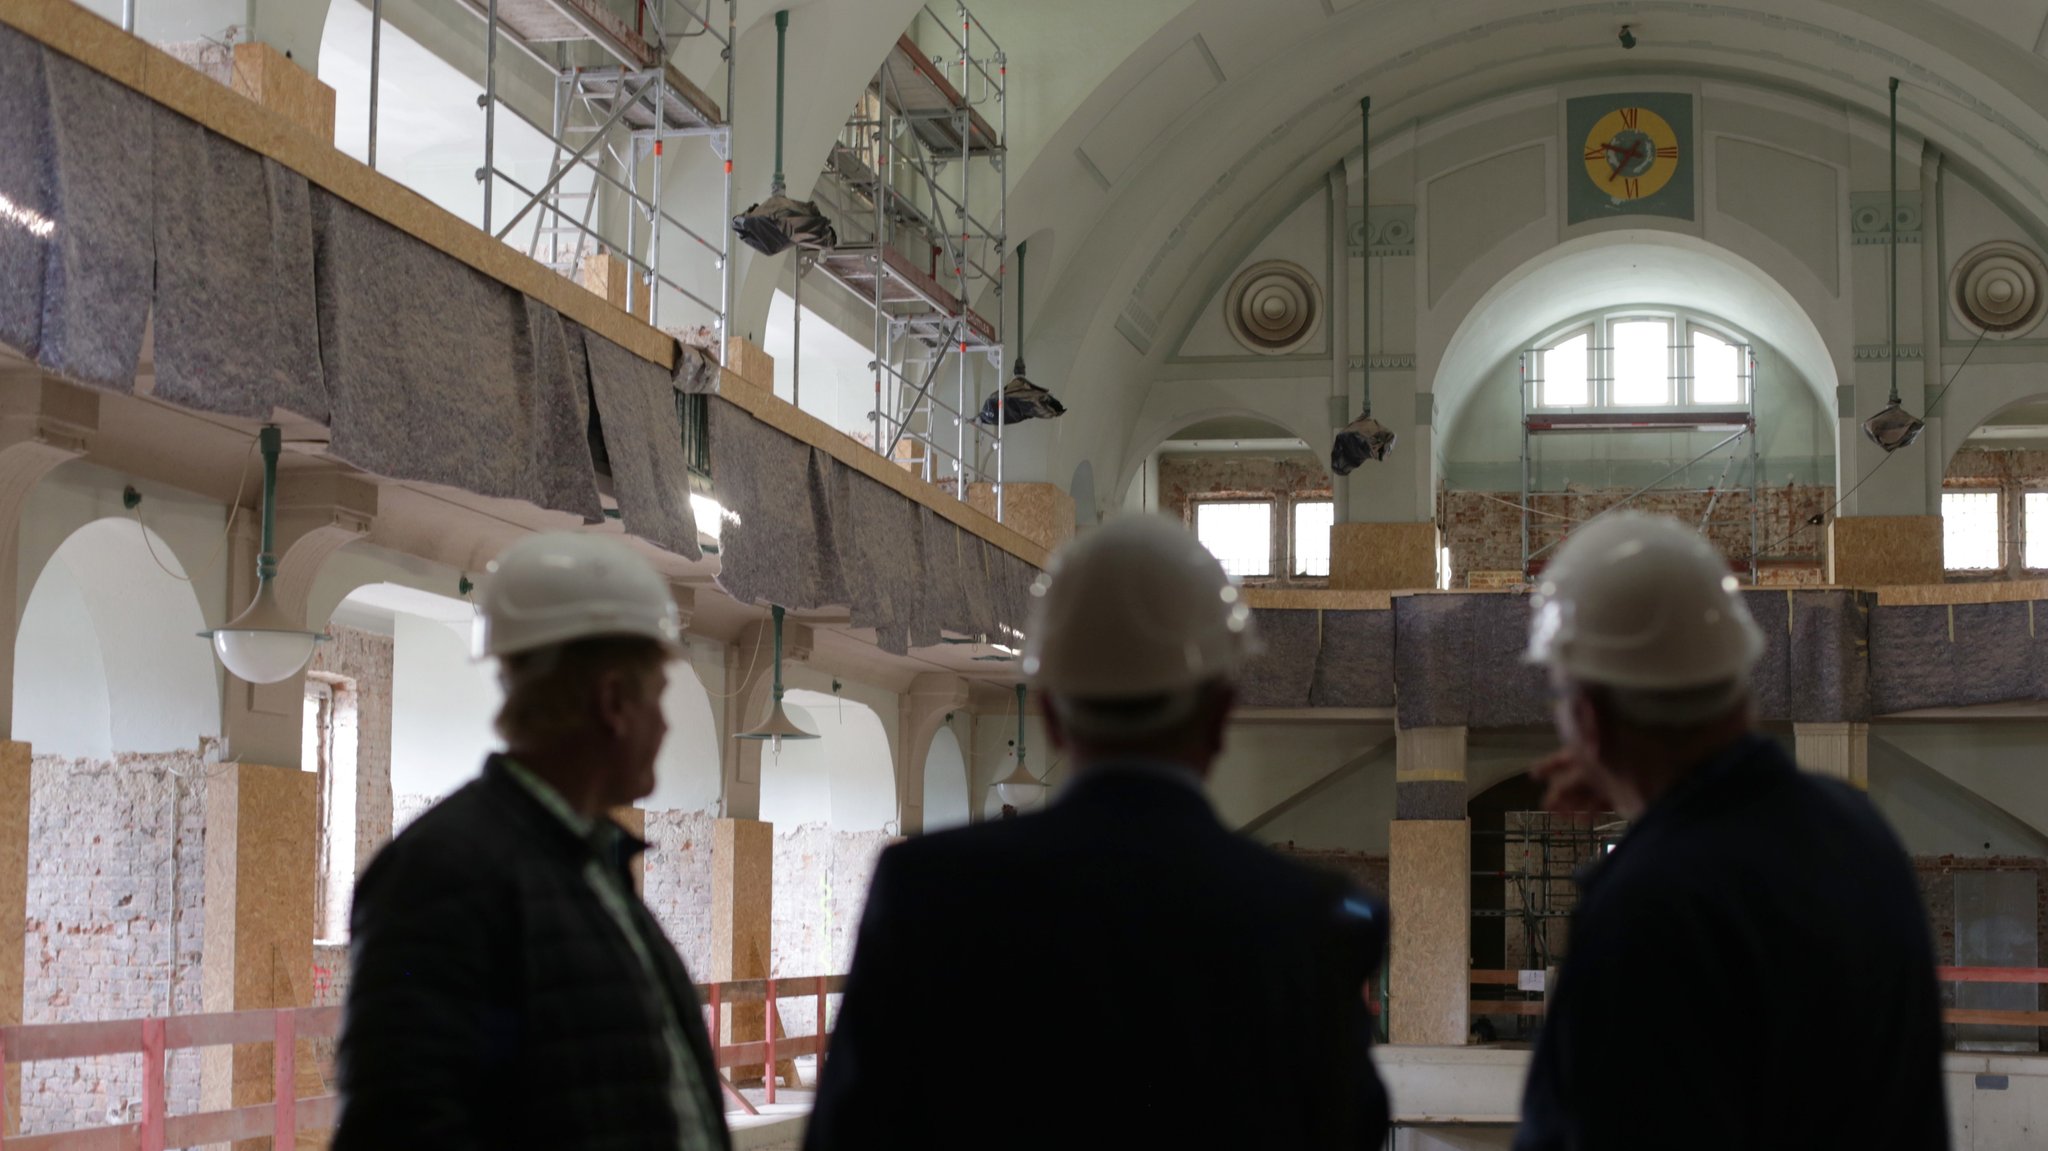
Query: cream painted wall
x,y
945,783
845,779
442,705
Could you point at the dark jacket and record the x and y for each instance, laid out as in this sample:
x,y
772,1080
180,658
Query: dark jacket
x,y
1125,972
493,1003
1751,968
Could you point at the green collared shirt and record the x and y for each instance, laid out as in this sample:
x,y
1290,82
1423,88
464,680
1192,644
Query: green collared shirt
x,y
686,1086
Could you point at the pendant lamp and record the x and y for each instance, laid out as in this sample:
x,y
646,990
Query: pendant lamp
x,y
1020,399
779,223
778,726
1893,427
265,644
1364,438
1020,789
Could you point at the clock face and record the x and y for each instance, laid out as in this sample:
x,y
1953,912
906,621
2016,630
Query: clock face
x,y
1631,153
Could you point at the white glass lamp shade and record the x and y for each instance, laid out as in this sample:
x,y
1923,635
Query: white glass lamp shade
x,y
262,645
1020,789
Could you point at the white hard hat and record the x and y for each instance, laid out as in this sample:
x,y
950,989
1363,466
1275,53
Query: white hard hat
x,y
1641,601
562,586
1135,608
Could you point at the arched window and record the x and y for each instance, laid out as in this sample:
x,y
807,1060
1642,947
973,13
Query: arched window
x,y
1638,359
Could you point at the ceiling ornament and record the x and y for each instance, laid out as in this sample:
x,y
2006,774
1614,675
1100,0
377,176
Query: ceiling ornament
x,y
1998,289
1273,306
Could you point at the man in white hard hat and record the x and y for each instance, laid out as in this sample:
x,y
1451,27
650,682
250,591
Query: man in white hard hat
x,y
1123,940
508,988
1751,965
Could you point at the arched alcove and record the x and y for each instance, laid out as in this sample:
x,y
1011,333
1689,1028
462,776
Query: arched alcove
x,y
844,779
108,658
686,777
945,783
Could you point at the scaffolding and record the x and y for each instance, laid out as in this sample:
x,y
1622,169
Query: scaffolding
x,y
919,191
1543,531
1537,859
617,101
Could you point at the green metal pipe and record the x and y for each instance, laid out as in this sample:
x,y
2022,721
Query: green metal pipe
x,y
777,610
1365,214
1020,307
1891,229
270,441
781,38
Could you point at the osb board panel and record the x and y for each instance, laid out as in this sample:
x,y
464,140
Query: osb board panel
x,y
1388,557
1429,893
1319,599
268,77
1874,551
604,273
742,898
14,802
276,828
750,362
2005,591
1041,513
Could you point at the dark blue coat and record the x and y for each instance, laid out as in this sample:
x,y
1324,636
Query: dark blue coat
x,y
1120,971
1751,968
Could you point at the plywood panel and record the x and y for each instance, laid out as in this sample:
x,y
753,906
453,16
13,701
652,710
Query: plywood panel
x,y
1383,557
1041,513
742,920
14,800
1429,881
1872,551
273,80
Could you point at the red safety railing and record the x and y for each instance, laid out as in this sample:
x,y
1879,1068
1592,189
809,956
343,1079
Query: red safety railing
x,y
2034,975
154,1037
770,1049
151,1039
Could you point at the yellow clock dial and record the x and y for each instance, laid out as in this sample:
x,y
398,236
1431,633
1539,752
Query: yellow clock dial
x,y
1631,153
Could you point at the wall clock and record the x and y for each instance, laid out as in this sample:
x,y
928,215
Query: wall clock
x,y
1637,156
1631,152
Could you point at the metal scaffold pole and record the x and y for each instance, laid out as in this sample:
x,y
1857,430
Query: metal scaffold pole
x,y
488,174
376,60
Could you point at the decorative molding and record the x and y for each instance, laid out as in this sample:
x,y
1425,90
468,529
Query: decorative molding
x,y
1273,307
1867,212
1392,228
1786,28
1392,363
2000,289
1879,353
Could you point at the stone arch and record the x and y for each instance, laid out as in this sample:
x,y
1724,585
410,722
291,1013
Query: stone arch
x,y
108,658
946,797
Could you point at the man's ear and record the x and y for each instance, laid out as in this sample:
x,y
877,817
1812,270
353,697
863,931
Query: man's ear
x,y
610,698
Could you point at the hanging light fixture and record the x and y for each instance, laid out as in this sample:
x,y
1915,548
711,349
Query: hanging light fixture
x,y
778,726
1364,438
1020,399
779,223
1894,427
1020,789
265,644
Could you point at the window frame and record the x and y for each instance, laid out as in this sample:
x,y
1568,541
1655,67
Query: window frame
x,y
2019,528
2004,557
1273,506
1294,505
1679,365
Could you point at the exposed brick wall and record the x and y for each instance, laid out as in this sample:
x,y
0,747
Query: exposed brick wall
x,y
364,658
2012,473
1282,479
115,921
406,808
678,883
821,886
1484,529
